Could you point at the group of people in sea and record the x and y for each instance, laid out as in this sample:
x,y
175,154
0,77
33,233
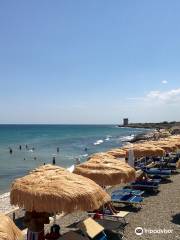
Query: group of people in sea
x,y
32,149
20,148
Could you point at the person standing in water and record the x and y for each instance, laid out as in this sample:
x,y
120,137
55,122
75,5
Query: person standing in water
x,y
57,149
54,160
20,147
10,150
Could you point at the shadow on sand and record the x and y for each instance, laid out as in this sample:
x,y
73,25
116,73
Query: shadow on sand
x,y
176,219
165,181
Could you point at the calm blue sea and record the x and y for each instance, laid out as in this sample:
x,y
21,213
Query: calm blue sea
x,y
43,140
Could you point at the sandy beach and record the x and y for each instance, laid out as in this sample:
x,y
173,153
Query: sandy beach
x,y
159,211
5,205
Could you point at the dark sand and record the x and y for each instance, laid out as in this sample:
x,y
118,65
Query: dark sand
x,y
159,211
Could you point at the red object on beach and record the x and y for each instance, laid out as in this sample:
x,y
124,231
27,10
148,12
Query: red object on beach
x,y
97,215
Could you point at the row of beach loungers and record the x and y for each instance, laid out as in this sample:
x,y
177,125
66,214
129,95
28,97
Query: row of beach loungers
x,y
131,195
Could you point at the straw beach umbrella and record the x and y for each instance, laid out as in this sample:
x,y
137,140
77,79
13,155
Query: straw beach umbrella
x,y
105,170
167,146
54,189
8,230
176,142
117,153
145,150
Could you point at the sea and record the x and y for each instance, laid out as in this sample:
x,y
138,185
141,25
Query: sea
x,y
24,147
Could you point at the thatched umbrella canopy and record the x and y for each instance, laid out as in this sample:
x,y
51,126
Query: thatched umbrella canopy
x,y
54,189
105,170
145,150
176,142
8,230
154,150
117,153
166,145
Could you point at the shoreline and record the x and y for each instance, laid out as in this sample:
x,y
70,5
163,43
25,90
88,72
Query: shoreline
x,y
135,219
4,197
158,125
95,146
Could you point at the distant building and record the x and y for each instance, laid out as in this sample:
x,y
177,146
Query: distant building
x,y
125,121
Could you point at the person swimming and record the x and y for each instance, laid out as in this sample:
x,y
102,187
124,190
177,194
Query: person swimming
x,y
10,150
54,160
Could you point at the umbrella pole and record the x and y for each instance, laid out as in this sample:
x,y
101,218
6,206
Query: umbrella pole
x,y
54,218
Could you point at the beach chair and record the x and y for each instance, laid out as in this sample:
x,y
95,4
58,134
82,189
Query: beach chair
x,y
108,212
149,186
128,190
166,166
110,216
157,172
92,229
168,163
128,199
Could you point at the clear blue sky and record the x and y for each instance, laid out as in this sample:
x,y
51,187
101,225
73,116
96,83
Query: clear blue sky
x,y
89,61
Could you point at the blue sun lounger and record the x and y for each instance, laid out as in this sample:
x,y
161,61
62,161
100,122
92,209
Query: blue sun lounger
x,y
157,172
167,163
128,191
128,199
149,186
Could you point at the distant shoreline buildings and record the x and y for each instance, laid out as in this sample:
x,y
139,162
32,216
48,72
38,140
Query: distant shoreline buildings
x,y
125,122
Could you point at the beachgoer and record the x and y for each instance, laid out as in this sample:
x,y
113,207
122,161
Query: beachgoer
x,y
97,215
111,208
85,149
10,150
26,146
35,158
54,160
24,159
35,223
57,149
20,147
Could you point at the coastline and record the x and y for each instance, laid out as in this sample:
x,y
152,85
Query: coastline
x,y
4,197
42,141
136,219
158,125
